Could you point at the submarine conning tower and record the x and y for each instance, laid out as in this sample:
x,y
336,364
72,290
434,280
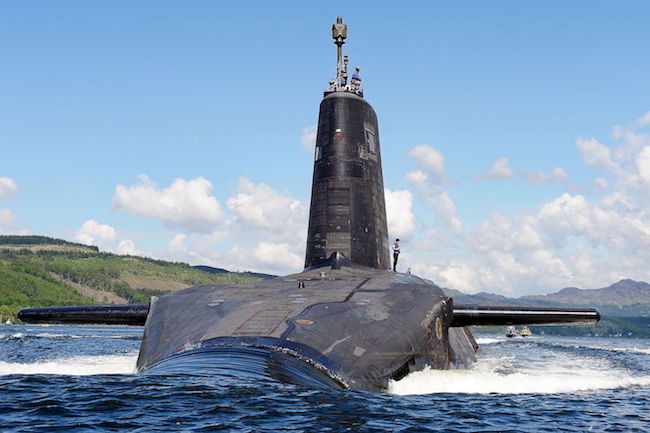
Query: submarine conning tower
x,y
348,211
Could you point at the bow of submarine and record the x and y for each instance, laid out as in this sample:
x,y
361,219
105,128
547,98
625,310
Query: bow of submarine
x,y
348,328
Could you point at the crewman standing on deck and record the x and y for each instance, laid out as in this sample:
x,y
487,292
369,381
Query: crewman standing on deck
x,y
396,252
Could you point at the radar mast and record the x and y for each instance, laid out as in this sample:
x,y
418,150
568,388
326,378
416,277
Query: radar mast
x,y
341,83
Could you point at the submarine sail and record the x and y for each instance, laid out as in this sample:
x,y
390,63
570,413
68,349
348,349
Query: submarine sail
x,y
347,213
346,321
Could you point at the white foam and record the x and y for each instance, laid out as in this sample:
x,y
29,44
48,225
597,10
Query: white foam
x,y
50,335
644,350
488,340
471,382
75,366
589,345
508,375
7,336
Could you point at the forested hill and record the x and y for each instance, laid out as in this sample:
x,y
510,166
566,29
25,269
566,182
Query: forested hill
x,y
39,271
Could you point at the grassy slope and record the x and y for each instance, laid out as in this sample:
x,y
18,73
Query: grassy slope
x,y
38,271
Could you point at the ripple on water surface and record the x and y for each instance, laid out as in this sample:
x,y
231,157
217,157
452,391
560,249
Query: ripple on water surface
x,y
541,384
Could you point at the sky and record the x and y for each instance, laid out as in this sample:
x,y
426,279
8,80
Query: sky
x,y
515,135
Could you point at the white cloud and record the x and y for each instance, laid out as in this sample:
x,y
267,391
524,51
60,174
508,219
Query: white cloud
x,y
278,258
430,161
558,174
588,239
502,233
263,231
593,152
185,204
127,247
277,255
308,138
93,233
260,206
643,163
417,178
459,276
8,188
438,198
105,237
643,120
7,218
601,184
570,241
399,214
500,170
178,242
9,224
630,139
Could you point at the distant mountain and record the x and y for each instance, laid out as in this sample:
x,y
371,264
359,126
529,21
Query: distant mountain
x,y
623,293
478,298
626,298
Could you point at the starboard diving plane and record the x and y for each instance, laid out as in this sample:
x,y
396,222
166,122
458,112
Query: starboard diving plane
x,y
347,321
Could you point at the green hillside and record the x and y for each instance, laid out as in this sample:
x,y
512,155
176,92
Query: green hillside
x,y
37,271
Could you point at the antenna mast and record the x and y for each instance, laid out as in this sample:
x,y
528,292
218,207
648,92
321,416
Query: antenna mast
x,y
339,33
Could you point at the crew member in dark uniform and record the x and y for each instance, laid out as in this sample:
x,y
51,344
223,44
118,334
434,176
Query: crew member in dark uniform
x,y
396,252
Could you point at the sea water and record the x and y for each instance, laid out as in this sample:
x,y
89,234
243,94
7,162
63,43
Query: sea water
x,y
81,379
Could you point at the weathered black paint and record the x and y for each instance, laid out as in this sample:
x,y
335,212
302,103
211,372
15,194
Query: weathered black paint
x,y
131,314
348,212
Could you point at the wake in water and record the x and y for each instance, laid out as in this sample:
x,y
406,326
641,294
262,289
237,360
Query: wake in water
x,y
505,366
80,379
75,366
532,366
20,335
68,350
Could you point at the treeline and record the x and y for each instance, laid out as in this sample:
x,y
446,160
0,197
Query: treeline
x,y
628,327
97,277
25,284
39,240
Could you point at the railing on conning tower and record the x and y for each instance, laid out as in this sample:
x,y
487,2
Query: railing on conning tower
x,y
341,83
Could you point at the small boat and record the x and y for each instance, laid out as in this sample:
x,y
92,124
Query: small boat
x,y
525,332
511,332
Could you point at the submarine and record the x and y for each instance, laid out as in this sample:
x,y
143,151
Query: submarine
x,y
347,321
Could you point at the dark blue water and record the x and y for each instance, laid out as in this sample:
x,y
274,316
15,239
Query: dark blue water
x,y
79,379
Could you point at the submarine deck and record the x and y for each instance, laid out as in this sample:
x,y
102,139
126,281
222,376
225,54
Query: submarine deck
x,y
270,308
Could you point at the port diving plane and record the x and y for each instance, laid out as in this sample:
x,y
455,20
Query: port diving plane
x,y
347,320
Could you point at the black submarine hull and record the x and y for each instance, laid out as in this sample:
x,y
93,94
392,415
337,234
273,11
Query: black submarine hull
x,y
253,358
359,327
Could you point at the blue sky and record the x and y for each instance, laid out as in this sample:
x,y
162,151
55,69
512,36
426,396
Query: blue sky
x,y
513,134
